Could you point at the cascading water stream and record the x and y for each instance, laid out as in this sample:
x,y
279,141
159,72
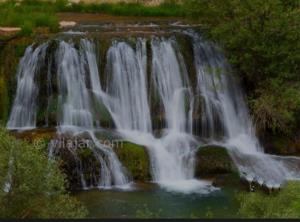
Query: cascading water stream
x,y
130,91
172,155
226,120
127,93
169,73
77,111
73,94
23,113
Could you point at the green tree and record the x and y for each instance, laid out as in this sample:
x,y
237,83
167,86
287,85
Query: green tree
x,y
31,185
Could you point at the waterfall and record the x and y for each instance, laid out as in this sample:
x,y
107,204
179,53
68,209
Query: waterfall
x,y
89,51
23,113
169,73
73,94
75,114
126,92
142,81
177,146
77,111
126,97
226,120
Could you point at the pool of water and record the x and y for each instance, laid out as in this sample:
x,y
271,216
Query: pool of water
x,y
150,201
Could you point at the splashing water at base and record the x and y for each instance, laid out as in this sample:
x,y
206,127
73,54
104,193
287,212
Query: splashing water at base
x,y
226,120
172,155
77,117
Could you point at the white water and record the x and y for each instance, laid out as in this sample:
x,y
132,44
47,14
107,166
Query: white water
x,y
73,94
77,112
169,81
225,118
127,93
172,155
226,121
23,113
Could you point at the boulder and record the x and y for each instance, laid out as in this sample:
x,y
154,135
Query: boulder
x,y
215,163
136,160
212,160
77,161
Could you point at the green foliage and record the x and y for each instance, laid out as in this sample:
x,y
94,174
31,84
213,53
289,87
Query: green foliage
x,y
27,28
277,106
28,15
284,204
261,39
169,8
36,184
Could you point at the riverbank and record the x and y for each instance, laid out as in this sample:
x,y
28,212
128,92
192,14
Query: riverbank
x,y
33,14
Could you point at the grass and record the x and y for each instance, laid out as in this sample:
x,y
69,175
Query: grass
x,y
28,15
129,9
283,204
31,14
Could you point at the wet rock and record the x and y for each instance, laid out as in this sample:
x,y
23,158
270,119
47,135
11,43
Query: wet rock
x,y
136,160
215,163
83,169
77,161
212,160
225,180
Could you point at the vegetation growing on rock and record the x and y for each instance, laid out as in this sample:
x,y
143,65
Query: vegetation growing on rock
x,y
284,204
213,160
32,185
136,160
261,40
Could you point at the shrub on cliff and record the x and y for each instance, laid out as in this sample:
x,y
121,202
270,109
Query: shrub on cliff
x,y
31,186
261,40
284,204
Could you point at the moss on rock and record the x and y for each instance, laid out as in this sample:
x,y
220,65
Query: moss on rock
x,y
213,160
136,160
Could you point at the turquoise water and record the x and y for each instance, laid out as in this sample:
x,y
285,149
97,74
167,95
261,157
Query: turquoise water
x,y
150,201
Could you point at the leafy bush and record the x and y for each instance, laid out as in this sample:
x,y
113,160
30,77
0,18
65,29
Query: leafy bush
x,y
277,106
261,40
284,204
31,185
